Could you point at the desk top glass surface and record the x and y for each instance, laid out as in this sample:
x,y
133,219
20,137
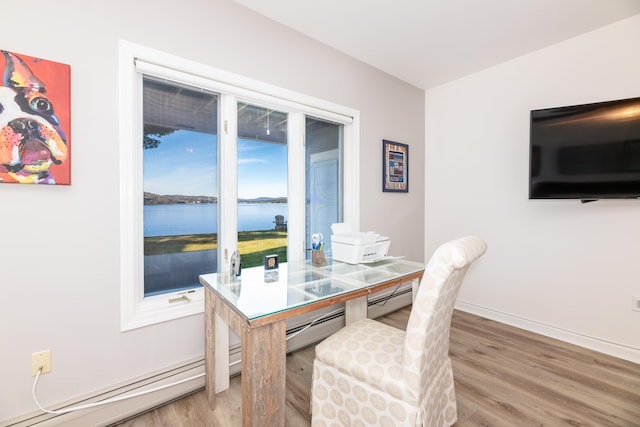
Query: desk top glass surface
x,y
258,292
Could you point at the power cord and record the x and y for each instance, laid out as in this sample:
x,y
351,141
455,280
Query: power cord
x,y
388,297
313,322
103,402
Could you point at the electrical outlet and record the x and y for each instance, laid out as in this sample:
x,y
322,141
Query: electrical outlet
x,y
40,359
636,304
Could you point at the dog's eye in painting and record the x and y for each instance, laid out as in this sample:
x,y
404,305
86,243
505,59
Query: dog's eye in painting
x,y
42,105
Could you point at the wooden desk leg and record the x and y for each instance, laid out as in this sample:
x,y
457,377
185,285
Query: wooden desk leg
x,y
264,353
415,283
216,353
355,309
209,348
221,355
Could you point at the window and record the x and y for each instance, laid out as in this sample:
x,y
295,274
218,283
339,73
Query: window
x,y
262,183
208,158
180,186
323,177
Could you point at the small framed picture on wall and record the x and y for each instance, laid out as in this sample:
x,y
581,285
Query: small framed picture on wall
x,y
395,167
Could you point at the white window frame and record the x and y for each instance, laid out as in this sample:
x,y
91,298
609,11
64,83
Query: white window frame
x,y
134,61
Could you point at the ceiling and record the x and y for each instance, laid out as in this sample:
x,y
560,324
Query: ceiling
x,y
430,42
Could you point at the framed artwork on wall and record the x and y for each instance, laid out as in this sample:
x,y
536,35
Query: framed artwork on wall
x,y
395,167
35,121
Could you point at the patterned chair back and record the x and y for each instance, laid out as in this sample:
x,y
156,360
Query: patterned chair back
x,y
426,346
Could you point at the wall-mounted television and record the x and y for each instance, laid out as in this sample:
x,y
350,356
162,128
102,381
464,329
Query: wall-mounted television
x,y
587,152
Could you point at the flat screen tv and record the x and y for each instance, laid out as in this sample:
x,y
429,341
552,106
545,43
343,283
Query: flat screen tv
x,y
587,152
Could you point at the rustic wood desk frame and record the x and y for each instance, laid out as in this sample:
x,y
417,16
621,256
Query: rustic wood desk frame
x,y
247,305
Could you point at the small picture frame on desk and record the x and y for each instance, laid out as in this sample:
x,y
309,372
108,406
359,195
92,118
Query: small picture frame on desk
x,y
271,262
395,167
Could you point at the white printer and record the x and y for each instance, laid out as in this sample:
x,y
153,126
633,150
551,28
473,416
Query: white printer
x,y
355,247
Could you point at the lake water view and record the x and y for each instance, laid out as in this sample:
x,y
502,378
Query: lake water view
x,y
192,218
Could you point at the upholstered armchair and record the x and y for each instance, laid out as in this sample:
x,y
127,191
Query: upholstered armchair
x,y
372,374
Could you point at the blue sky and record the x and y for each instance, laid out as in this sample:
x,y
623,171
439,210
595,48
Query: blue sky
x,y
185,163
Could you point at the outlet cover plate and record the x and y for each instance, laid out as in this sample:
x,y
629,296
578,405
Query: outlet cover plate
x,y
40,359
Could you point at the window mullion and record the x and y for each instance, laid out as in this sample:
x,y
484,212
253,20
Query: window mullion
x,y
227,181
296,187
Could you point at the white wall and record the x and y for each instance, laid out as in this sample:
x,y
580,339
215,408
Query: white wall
x,y
59,251
562,268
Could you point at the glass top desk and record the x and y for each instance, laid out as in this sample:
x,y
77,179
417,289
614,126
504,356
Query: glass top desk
x,y
256,306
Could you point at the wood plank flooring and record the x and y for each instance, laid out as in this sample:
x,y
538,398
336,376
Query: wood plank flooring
x,y
504,376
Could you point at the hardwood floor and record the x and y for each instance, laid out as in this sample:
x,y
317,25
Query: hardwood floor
x,y
504,376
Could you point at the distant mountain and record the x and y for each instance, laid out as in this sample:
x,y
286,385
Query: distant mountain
x,y
264,200
157,199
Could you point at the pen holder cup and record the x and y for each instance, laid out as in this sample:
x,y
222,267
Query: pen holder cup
x,y
317,258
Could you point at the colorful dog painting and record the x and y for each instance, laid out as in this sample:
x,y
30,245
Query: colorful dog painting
x,y
34,137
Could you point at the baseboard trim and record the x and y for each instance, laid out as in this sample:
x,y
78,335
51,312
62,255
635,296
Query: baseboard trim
x,y
610,348
115,412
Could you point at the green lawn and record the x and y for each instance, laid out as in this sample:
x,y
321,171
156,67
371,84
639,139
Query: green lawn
x,y
253,245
